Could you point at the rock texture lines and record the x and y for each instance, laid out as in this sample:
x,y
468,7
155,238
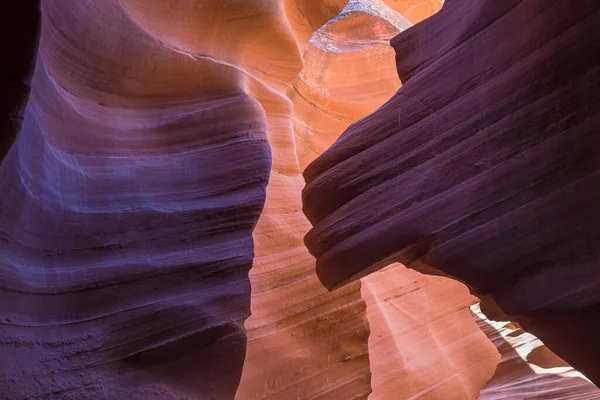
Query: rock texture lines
x,y
152,234
484,164
130,195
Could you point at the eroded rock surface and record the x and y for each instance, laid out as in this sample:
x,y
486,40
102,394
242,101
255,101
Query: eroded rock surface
x,y
423,340
424,343
130,195
303,341
484,164
415,10
528,369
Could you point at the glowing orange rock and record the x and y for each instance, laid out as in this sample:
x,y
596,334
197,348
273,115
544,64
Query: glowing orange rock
x,y
415,10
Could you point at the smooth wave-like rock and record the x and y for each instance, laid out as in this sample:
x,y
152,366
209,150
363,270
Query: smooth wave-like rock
x,y
423,340
348,73
415,10
424,343
304,342
132,190
131,193
484,165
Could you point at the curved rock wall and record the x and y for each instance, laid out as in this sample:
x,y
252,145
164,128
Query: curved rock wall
x,y
303,341
483,164
131,193
424,343
348,73
419,324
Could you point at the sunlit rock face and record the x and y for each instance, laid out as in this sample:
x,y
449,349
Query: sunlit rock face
x,y
423,340
424,343
415,10
484,165
303,341
349,71
528,369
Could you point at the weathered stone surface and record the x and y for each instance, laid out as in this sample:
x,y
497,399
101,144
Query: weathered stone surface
x,y
131,193
484,164
424,343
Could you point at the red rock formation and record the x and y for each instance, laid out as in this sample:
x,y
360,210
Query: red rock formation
x,y
424,344
303,342
132,190
423,340
348,73
415,10
484,163
130,195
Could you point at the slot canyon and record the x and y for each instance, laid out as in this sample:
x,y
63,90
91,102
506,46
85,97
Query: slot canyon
x,y
300,199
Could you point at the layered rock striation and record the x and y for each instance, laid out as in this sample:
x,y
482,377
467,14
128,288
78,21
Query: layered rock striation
x,y
483,165
160,157
132,190
423,340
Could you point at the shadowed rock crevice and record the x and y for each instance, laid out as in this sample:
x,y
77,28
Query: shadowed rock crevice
x,y
152,197
19,32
